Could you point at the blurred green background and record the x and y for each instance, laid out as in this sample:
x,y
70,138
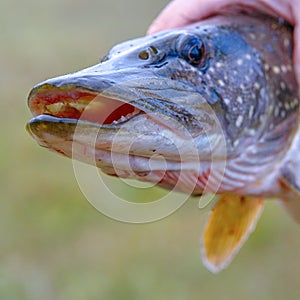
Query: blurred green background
x,y
53,243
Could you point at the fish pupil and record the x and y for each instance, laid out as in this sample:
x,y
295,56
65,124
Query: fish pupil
x,y
192,49
195,54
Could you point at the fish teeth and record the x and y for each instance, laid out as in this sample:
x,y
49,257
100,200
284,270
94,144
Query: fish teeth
x,y
127,117
61,106
55,107
77,105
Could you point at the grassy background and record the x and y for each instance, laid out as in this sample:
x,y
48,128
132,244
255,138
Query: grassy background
x,y
53,243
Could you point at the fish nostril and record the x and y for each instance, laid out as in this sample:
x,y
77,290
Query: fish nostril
x,y
153,49
144,55
150,52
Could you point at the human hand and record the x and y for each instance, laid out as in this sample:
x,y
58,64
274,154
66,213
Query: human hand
x,y
182,12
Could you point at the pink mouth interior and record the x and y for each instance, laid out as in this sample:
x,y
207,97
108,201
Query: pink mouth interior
x,y
81,104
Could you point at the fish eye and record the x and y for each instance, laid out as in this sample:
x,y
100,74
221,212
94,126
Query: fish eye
x,y
192,49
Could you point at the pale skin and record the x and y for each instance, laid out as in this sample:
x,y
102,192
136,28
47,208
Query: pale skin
x,y
182,12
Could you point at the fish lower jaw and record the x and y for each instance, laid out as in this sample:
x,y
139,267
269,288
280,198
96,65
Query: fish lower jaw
x,y
189,177
192,177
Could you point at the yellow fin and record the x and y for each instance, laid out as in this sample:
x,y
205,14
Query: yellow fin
x,y
231,221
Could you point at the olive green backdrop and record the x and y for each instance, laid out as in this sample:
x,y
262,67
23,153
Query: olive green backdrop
x,y
53,243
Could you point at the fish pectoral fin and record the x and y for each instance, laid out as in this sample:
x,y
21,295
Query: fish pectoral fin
x,y
231,221
290,183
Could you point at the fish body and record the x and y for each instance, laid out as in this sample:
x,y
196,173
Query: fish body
x,y
217,101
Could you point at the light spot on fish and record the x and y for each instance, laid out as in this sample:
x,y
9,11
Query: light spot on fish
x,y
239,121
242,87
287,106
248,56
239,62
256,85
267,67
262,34
226,101
252,36
219,65
239,99
211,70
276,69
283,114
252,132
263,92
262,118
221,82
294,103
286,43
236,142
276,111
251,111
258,60
284,69
282,85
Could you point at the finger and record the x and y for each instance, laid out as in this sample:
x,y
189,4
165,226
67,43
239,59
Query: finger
x,y
297,53
181,12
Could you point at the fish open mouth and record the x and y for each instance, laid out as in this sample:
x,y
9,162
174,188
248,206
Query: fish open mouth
x,y
108,106
80,104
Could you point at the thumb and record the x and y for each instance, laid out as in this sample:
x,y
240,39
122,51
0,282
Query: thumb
x,y
297,53
182,12
171,16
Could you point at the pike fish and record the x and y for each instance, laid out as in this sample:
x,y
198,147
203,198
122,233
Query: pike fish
x,y
216,101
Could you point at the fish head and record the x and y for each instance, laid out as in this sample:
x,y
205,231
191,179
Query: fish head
x,y
181,94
